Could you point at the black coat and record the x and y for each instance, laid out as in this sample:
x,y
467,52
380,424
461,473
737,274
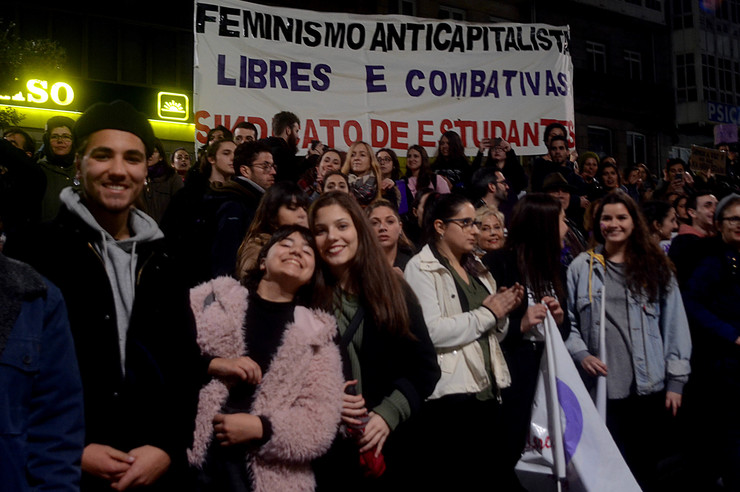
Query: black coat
x,y
154,402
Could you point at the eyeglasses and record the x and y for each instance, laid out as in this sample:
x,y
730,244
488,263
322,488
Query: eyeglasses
x,y
266,166
385,159
465,223
64,138
733,221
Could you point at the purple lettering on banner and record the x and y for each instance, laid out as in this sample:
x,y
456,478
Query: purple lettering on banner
x,y
296,78
222,78
257,74
278,69
573,419
477,83
414,91
434,75
371,77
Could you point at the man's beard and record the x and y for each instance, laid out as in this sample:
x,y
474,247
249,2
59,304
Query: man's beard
x,y
293,142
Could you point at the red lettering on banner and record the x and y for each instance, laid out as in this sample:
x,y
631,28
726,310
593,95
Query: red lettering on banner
x,y
423,132
309,133
445,126
531,132
498,125
330,125
376,127
259,122
358,132
513,134
201,129
399,129
567,124
463,125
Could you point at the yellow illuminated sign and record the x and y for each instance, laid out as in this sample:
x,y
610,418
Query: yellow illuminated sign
x,y
39,92
173,106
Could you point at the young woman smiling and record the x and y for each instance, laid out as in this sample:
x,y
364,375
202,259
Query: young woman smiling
x,y
263,417
467,318
362,169
389,360
419,174
624,292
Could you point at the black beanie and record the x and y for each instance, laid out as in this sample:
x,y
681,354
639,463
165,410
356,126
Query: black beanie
x,y
59,121
118,115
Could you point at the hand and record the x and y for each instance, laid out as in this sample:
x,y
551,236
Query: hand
x,y
505,146
672,401
584,202
534,315
241,368
237,428
353,406
594,366
150,463
387,184
505,300
105,462
376,432
553,305
485,144
688,178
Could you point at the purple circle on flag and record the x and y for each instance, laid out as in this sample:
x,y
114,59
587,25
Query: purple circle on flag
x,y
573,419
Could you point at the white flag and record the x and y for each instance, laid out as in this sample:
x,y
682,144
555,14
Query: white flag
x,y
584,447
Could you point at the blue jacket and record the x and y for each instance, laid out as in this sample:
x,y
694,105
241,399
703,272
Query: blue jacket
x,y
41,408
661,343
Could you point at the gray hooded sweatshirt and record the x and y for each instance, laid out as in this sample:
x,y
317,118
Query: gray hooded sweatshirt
x,y
119,258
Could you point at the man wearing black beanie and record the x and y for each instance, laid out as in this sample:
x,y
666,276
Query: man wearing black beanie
x,y
128,311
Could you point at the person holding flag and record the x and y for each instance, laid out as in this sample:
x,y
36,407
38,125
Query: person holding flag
x,y
629,329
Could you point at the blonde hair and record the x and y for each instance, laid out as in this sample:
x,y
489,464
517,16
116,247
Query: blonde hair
x,y
374,166
485,210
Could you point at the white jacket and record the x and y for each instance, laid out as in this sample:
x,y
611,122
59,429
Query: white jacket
x,y
454,332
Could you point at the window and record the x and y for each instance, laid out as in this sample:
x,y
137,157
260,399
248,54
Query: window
x,y
600,140
685,78
596,53
633,60
709,77
636,148
403,7
724,79
453,13
683,16
654,4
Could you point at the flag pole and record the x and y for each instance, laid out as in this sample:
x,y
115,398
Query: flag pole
x,y
601,380
556,428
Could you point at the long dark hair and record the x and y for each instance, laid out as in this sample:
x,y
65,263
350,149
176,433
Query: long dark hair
x,y
457,150
534,238
442,207
396,171
371,277
426,176
647,269
253,277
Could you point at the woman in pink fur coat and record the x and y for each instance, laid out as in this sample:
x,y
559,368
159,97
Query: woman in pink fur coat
x,y
274,401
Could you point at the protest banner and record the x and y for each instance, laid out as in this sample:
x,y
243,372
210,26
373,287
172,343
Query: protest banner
x,y
704,159
390,80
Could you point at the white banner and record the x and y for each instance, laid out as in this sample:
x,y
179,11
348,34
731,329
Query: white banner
x,y
390,80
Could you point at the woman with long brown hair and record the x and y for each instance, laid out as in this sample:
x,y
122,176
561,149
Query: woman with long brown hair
x,y
629,327
390,365
531,257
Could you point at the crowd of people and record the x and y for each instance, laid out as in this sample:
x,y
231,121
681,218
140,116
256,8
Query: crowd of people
x,y
253,320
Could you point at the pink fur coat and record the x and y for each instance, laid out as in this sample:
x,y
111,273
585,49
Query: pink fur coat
x,y
301,394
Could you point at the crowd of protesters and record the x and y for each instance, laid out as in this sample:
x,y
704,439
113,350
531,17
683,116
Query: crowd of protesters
x,y
247,319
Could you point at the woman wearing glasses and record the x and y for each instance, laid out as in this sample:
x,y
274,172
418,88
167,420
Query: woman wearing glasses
x,y
502,156
711,299
466,318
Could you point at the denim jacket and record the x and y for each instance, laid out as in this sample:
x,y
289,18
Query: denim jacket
x,y
661,343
